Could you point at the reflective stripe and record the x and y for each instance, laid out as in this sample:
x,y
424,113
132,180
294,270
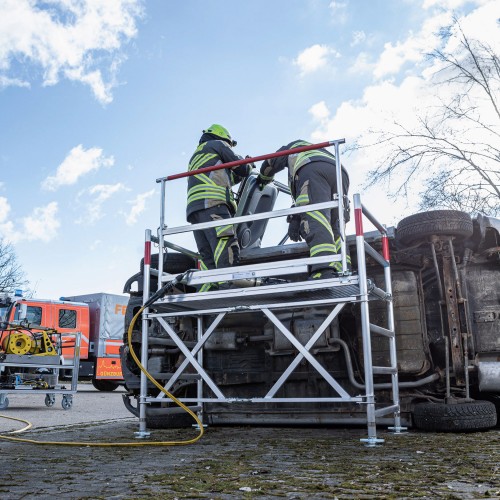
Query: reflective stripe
x,y
301,159
297,144
303,199
206,187
222,229
205,179
206,287
219,249
324,247
204,196
203,191
203,266
201,159
336,265
266,177
322,220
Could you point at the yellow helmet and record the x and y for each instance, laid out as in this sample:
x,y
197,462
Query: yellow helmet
x,y
221,132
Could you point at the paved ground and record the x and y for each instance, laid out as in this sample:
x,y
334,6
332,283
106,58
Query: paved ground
x,y
233,462
89,405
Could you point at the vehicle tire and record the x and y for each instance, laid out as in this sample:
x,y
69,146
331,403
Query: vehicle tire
x,y
174,421
173,263
436,222
105,385
460,417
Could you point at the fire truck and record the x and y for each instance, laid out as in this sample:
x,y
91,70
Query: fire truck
x,y
99,319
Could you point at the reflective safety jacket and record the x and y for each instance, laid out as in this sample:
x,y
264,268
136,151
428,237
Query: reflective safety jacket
x,y
294,162
206,190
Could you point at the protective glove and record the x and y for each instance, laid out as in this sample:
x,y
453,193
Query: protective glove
x,y
251,165
294,227
262,182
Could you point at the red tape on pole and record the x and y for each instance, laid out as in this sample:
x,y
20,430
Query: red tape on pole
x,y
250,160
358,220
385,248
147,253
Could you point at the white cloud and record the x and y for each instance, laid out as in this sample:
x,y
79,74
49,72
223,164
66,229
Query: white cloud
x,y
362,64
414,49
357,38
41,225
446,4
75,39
79,162
319,111
6,226
138,206
388,102
97,195
12,82
314,58
339,11
4,209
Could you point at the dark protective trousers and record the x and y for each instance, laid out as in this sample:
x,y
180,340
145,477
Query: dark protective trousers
x,y
316,183
217,246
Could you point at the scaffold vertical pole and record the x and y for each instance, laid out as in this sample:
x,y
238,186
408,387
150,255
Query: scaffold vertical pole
x,y
392,340
340,192
365,326
199,385
143,433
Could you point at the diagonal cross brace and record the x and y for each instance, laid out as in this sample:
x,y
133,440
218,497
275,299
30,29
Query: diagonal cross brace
x,y
304,353
190,354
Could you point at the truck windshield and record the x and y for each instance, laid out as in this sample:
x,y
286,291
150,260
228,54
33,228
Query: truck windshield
x,y
33,315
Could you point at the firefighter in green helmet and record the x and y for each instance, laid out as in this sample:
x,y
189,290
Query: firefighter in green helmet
x,y
210,198
312,179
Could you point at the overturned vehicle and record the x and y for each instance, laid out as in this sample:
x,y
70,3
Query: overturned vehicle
x,y
445,296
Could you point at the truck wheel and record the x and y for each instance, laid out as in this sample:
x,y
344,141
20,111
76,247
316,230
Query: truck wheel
x,y
105,385
436,222
460,417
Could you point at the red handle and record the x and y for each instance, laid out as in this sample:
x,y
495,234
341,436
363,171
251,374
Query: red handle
x,y
250,160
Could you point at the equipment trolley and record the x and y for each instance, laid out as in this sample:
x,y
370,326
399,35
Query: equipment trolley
x,y
31,360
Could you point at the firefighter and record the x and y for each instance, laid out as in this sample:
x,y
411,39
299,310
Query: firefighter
x,y
312,179
210,198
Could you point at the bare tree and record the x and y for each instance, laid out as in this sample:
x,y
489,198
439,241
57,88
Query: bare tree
x,y
11,274
455,145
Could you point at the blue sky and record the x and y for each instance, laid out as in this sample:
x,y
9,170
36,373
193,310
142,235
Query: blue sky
x,y
99,98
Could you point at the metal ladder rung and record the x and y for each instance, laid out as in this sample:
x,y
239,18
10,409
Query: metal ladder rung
x,y
384,370
385,411
382,331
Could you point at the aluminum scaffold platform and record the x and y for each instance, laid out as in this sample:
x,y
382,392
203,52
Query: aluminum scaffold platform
x,y
334,293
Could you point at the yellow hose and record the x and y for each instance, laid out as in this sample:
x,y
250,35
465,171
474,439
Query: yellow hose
x,y
118,445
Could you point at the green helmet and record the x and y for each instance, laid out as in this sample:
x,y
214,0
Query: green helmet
x,y
220,131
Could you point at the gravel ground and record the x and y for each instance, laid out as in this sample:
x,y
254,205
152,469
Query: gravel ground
x,y
243,462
